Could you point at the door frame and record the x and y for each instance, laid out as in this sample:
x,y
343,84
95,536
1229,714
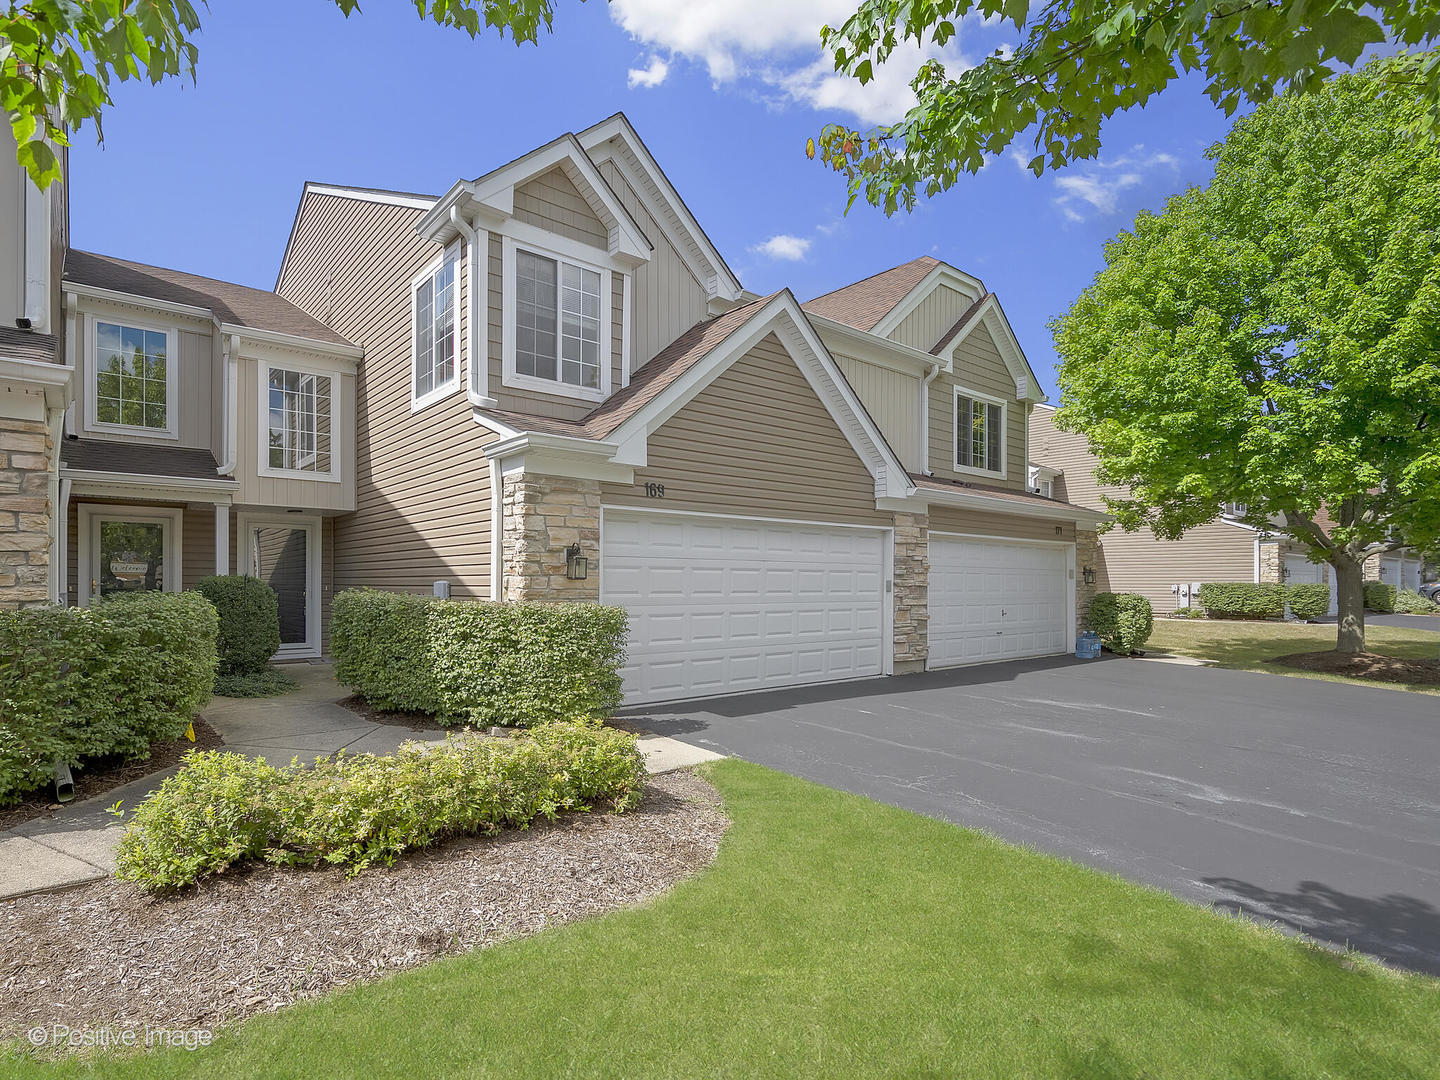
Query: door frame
x,y
88,519
245,525
1071,613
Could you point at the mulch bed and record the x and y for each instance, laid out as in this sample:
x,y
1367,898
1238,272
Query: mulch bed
x,y
415,721
108,955
1396,669
105,774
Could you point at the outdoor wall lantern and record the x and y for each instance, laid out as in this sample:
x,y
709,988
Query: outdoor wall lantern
x,y
1089,574
577,566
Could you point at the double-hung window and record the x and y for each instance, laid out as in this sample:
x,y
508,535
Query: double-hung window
x,y
979,434
558,322
299,423
133,378
436,369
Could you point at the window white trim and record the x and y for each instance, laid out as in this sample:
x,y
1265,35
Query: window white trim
x,y
262,453
957,392
556,248
445,389
172,377
88,519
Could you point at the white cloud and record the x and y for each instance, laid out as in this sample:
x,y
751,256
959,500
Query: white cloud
x,y
650,76
1095,187
776,43
784,246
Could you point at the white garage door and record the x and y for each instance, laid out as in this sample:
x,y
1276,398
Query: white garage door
x,y
719,605
997,600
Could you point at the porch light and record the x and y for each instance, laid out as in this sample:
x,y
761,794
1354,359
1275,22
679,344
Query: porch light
x,y
577,566
1089,575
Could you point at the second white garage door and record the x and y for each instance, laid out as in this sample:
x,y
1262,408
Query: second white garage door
x,y
719,605
997,600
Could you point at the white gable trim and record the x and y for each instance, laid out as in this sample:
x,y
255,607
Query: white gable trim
x,y
781,316
615,139
992,317
944,274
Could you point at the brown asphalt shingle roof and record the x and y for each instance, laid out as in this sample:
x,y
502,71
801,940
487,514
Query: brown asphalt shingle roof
x,y
668,365
949,335
127,457
864,303
17,344
241,305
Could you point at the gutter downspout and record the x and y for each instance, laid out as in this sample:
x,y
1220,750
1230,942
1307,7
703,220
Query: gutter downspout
x,y
925,418
497,531
230,347
478,383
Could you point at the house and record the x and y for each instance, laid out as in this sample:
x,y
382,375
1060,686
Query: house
x,y
1170,572
546,383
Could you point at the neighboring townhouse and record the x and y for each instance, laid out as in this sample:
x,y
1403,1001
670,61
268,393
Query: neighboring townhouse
x,y
546,383
1169,572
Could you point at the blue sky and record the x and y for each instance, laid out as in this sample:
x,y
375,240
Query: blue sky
x,y
206,177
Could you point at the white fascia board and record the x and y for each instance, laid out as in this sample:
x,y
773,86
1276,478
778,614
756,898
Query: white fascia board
x,y
559,455
992,316
56,381
90,480
877,350
538,440
944,274
349,355
489,423
977,501
388,198
169,307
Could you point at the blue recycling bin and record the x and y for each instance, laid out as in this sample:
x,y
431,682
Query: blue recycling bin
x,y
1087,645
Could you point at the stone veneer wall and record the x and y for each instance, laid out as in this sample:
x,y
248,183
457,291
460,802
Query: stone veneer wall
x,y
543,515
25,448
1270,562
1087,553
912,591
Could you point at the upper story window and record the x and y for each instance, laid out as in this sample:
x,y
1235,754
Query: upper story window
x,y
436,369
133,378
1234,509
979,434
556,323
299,424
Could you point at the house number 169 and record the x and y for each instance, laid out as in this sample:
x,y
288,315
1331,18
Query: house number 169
x,y
654,491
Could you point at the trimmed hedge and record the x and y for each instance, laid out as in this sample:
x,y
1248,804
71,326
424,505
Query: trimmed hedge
x,y
465,661
1124,621
1242,599
356,811
249,613
1410,602
1380,597
1308,601
108,680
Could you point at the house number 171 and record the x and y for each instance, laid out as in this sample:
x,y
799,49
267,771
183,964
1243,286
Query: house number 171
x,y
654,491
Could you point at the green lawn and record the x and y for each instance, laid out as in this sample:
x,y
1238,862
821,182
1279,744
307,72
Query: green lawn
x,y
838,937
1247,645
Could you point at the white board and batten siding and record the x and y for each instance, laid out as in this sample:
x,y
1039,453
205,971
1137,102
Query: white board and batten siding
x,y
994,599
723,605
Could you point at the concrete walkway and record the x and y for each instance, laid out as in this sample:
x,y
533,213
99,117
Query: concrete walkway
x,y
77,845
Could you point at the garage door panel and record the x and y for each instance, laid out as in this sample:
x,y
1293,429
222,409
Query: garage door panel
x,y
995,601
718,606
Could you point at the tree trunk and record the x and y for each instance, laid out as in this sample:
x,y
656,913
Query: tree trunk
x,y
1350,594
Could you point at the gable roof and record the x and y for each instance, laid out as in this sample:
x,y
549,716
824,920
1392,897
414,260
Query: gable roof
x,y
960,323
862,304
239,305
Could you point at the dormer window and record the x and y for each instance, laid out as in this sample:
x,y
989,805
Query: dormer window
x,y
435,370
557,323
979,433
132,378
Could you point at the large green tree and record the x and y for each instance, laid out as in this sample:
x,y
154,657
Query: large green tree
x,y
1081,61
58,58
1274,339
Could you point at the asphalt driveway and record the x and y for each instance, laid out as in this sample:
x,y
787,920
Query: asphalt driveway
x,y
1310,803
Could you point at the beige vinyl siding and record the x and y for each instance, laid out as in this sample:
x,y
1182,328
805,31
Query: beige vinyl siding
x,y
552,202
756,441
937,313
892,398
666,299
987,523
978,367
258,490
195,368
1139,562
422,489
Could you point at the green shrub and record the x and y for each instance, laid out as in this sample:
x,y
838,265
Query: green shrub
x,y
472,662
1189,613
356,811
1308,601
1380,597
81,683
1243,600
255,684
1410,602
249,613
1124,621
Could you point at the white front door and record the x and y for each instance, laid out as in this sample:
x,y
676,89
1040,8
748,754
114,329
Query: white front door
x,y
720,605
998,600
284,552
128,549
